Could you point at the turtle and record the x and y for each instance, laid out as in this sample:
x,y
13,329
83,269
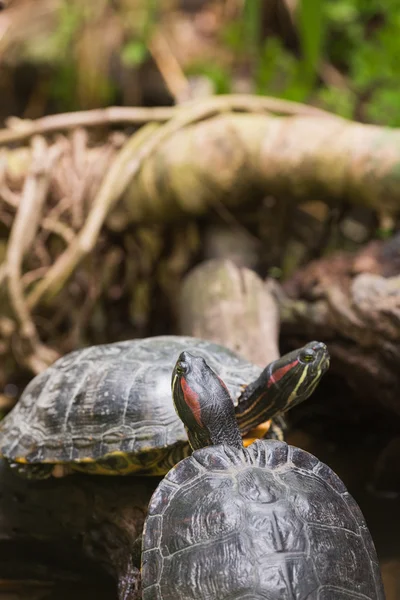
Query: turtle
x,y
265,522
108,409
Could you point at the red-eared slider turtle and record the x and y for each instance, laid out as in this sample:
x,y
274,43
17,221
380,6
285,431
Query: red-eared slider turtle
x,y
267,522
108,409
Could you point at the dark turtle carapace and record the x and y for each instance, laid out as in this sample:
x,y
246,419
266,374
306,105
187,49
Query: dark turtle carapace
x,y
108,409
267,522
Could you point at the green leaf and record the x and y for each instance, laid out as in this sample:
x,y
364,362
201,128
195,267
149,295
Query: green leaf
x,y
134,53
311,25
252,24
220,77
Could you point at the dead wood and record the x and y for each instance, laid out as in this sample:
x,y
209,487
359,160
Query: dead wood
x,y
19,130
64,530
56,524
213,156
232,306
352,302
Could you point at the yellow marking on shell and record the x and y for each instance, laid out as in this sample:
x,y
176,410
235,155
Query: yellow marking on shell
x,y
119,453
98,469
257,433
21,460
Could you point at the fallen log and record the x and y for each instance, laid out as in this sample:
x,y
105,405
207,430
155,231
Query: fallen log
x,y
58,524
64,199
352,302
63,530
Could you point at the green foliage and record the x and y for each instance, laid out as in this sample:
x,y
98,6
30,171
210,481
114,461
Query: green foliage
x,y
134,53
279,73
359,40
219,76
84,83
311,21
384,233
60,48
347,59
362,41
252,21
341,101
375,70
140,24
70,18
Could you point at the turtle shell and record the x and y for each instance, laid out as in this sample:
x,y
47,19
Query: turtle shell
x,y
110,399
266,522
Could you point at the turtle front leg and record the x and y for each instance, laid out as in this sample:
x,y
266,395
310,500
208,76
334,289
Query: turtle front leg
x,y
273,429
278,429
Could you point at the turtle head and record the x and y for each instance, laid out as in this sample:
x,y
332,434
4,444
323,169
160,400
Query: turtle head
x,y
203,403
282,385
299,373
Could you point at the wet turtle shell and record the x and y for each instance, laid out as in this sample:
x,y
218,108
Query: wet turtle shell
x,y
266,522
108,409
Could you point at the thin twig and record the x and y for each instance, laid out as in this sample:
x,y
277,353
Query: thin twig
x,y
65,232
169,68
117,115
79,161
8,196
31,276
3,272
22,234
5,193
91,118
111,189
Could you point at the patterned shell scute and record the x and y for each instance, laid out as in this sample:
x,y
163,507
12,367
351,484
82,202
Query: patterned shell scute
x,y
115,397
268,522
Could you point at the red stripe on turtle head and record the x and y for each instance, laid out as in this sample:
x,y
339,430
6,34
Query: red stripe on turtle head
x,y
192,400
279,373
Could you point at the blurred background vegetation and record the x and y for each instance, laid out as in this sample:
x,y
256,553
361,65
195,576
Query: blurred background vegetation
x,y
59,55
70,55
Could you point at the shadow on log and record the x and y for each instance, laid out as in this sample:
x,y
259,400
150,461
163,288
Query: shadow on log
x,y
61,530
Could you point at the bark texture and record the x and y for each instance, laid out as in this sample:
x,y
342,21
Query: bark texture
x,y
352,302
231,305
63,530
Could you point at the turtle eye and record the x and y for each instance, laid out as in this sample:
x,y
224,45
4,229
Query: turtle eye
x,y
307,355
181,368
